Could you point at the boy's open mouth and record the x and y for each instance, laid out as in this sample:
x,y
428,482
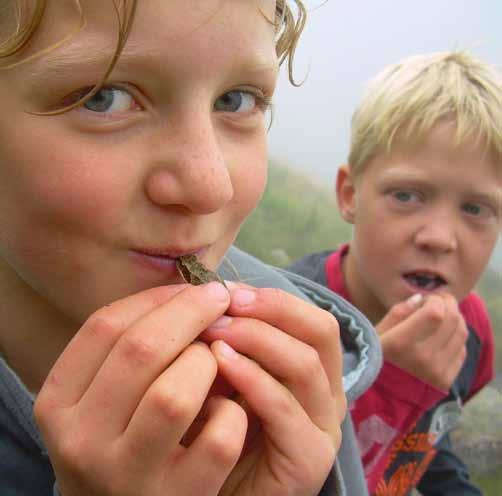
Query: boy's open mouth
x,y
424,280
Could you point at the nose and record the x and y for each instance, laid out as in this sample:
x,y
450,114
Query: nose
x,y
190,169
437,234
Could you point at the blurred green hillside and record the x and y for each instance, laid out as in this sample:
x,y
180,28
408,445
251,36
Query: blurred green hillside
x,y
296,217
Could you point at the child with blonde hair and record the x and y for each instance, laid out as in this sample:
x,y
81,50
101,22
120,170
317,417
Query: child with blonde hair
x,y
423,191
132,141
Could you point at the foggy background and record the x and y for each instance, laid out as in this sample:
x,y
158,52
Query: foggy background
x,y
346,43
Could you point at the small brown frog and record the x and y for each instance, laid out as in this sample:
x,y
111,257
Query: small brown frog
x,y
194,272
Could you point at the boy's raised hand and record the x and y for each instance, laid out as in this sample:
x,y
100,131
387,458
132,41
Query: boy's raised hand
x,y
426,337
283,356
120,398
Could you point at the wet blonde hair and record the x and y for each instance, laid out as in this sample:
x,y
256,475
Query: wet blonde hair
x,y
27,15
411,97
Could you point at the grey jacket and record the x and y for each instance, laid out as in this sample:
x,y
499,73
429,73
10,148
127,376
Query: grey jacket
x,y
25,468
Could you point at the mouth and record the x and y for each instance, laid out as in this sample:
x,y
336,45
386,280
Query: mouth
x,y
168,254
163,260
426,281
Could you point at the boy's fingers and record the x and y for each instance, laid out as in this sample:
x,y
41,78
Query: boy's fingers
x,y
167,410
419,326
452,330
216,450
89,348
399,312
146,349
296,317
292,362
279,411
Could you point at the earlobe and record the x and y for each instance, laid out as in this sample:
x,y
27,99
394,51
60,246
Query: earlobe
x,y
346,193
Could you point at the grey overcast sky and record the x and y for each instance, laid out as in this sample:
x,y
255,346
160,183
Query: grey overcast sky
x,y
346,43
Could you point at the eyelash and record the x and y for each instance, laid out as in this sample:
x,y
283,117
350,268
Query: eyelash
x,y
262,101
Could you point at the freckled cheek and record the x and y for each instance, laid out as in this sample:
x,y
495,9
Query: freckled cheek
x,y
80,195
249,184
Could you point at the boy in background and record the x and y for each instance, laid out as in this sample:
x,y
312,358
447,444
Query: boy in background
x,y
423,190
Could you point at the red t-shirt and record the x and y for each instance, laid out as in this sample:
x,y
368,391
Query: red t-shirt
x,y
389,410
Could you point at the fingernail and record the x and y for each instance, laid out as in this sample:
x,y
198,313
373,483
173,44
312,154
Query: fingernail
x,y
243,297
217,291
223,321
415,300
231,285
226,351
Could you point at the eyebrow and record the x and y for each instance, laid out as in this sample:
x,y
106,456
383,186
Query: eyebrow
x,y
492,194
70,57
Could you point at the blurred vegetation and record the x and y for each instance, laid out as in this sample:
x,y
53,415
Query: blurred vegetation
x,y
490,484
297,216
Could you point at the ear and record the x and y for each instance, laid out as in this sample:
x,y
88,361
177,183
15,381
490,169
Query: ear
x,y
346,193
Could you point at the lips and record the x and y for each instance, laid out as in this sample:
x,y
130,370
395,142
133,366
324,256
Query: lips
x,y
168,253
425,280
163,260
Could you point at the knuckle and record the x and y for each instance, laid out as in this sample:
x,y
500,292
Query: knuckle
x,y
308,368
276,295
285,405
171,406
138,351
331,329
434,312
224,450
73,451
102,326
399,312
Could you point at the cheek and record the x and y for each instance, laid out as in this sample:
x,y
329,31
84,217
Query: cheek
x,y
249,180
53,193
476,253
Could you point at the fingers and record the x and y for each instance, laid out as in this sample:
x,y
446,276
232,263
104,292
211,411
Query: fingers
x,y
148,347
430,343
298,318
170,406
217,448
419,326
279,411
451,328
91,345
129,342
292,362
399,312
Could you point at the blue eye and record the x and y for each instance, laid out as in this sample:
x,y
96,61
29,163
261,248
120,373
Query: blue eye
x,y
472,209
110,99
404,196
236,101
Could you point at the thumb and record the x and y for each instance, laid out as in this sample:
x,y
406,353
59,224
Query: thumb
x,y
399,312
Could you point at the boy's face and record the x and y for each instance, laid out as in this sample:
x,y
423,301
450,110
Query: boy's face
x,y
168,159
426,219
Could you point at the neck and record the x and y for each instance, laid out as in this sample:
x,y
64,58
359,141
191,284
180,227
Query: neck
x,y
361,296
32,332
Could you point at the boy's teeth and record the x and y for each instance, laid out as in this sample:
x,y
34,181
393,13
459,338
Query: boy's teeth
x,y
424,281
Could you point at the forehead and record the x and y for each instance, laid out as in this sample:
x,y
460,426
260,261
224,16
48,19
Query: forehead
x,y
439,162
159,26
